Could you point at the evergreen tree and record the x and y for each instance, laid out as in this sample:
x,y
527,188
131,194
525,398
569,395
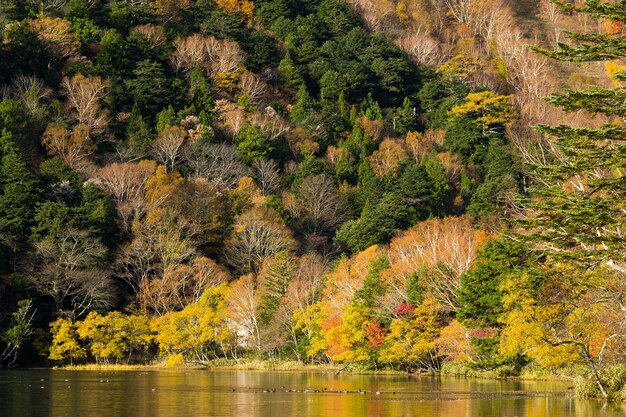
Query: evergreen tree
x,y
19,193
576,222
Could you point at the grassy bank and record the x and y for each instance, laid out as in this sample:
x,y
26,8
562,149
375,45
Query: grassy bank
x,y
450,369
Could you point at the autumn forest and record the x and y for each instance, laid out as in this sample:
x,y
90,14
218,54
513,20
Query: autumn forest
x,y
410,185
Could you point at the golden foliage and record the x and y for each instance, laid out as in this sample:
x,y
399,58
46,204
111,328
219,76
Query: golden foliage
x,y
57,35
387,159
242,7
73,147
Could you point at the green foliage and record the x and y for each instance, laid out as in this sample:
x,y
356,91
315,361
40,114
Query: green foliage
x,y
19,331
421,193
114,56
26,54
373,287
302,110
500,180
480,299
151,90
376,225
202,100
290,76
19,193
166,117
275,281
86,30
464,137
414,289
253,145
139,136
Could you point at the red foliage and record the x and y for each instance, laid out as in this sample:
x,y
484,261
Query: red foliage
x,y
375,334
404,309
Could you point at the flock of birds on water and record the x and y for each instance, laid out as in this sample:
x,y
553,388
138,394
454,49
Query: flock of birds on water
x,y
282,389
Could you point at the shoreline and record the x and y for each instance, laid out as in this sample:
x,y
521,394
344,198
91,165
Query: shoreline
x,y
535,374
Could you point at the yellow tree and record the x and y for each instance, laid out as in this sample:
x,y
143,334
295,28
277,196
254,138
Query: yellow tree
x,y
243,7
115,335
387,159
57,35
65,344
412,337
73,147
489,110
557,317
198,330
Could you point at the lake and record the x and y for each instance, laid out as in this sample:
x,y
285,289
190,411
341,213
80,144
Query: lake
x,y
282,394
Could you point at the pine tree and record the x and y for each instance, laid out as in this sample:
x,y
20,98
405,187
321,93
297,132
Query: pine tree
x,y
18,196
576,223
580,206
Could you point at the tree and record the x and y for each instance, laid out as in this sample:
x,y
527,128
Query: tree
x,y
411,338
252,144
197,331
575,221
318,206
480,298
488,109
18,197
56,34
84,97
242,7
126,183
70,273
386,160
20,330
267,175
65,341
150,88
218,163
441,250
180,286
168,148
257,234
114,335
73,147
290,75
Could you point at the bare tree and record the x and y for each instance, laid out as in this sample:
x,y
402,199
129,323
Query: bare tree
x,y
267,175
31,92
154,35
168,148
70,272
218,163
180,286
189,52
422,48
318,205
257,234
253,86
20,331
243,302
441,249
230,117
84,97
126,183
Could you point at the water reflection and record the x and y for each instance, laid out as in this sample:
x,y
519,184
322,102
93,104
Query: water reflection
x,y
266,394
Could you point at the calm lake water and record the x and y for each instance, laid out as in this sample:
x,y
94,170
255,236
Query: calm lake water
x,y
281,394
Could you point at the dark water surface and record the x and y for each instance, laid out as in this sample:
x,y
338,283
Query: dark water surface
x,y
281,394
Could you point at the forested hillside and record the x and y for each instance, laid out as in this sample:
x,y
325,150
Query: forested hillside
x,y
321,180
